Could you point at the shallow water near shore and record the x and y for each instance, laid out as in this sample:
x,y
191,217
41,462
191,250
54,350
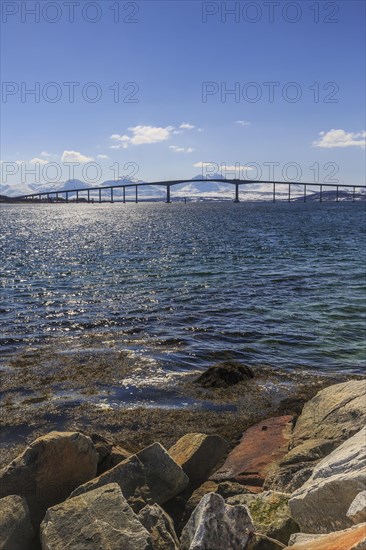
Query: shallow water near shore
x,y
111,309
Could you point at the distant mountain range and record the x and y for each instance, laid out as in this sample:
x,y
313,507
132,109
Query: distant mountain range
x,y
193,189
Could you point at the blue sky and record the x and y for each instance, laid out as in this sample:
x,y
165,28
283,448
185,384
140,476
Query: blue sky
x,y
177,122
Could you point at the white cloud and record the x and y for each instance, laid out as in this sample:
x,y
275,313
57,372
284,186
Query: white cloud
x,y
102,157
243,122
204,164
75,156
186,126
340,138
45,154
142,135
37,160
177,149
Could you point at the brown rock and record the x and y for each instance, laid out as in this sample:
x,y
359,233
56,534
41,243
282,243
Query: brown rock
x,y
109,454
48,470
260,447
349,539
198,454
16,531
224,374
160,526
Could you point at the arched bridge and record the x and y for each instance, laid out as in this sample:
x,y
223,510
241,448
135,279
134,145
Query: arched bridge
x,y
64,196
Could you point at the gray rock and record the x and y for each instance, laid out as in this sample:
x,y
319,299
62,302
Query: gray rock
x,y
271,516
198,454
321,504
16,531
357,511
160,526
216,525
333,415
147,477
96,520
48,470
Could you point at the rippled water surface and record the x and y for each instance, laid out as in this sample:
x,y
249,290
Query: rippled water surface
x,y
188,285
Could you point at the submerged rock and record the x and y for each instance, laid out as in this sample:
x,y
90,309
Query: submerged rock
x,y
216,525
149,476
160,526
260,447
322,503
348,539
48,470
357,511
99,519
224,374
198,454
271,516
16,531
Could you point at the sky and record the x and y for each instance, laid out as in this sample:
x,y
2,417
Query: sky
x,y
158,90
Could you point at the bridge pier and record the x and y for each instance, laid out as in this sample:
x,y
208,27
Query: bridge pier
x,y
77,196
337,199
124,195
274,193
136,195
67,196
289,192
236,193
305,193
112,199
168,194
100,195
88,196
354,194
321,194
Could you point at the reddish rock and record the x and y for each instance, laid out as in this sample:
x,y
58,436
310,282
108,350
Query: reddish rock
x,y
260,448
349,539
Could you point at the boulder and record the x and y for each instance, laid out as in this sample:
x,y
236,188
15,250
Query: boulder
x,y
348,539
297,465
332,416
322,503
216,525
16,531
109,455
226,489
198,454
160,526
224,375
99,519
260,447
149,476
48,470
271,517
335,413
357,511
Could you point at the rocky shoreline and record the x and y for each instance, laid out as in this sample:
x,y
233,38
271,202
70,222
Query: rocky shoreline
x,y
295,480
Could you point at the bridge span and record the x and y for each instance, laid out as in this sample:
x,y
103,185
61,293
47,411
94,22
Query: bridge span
x,y
64,195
